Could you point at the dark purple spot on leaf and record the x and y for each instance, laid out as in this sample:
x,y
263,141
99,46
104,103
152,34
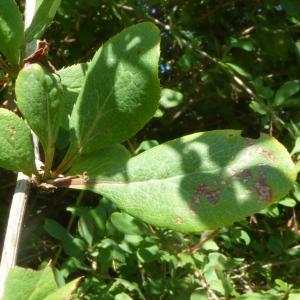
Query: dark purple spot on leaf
x,y
211,194
246,176
263,190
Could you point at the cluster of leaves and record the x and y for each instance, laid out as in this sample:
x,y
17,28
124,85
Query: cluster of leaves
x,y
232,65
123,258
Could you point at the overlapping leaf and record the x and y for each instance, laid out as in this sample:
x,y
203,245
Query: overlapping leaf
x,y
72,79
198,182
38,93
120,93
23,284
11,30
16,146
45,12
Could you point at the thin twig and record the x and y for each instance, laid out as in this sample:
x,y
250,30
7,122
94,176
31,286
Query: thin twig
x,y
198,246
19,200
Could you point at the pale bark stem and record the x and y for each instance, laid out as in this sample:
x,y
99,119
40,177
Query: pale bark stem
x,y
19,200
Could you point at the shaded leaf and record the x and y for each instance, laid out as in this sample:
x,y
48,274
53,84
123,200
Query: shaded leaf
x,y
38,95
199,182
258,107
287,90
72,79
122,296
16,146
11,31
120,93
127,224
57,231
44,14
239,70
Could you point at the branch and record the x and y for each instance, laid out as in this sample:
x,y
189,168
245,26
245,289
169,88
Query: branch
x,y
19,200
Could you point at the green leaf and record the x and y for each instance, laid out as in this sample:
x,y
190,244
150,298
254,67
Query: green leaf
x,y
38,95
127,224
287,90
199,182
246,44
122,296
86,229
105,161
120,93
289,202
146,145
291,7
72,79
16,146
239,70
57,231
256,296
23,284
44,14
259,107
11,31
170,98
296,148
64,292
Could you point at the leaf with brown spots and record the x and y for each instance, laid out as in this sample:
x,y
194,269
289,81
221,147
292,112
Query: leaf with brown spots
x,y
16,147
198,182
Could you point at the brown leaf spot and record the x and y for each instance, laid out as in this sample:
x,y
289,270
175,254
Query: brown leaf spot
x,y
263,190
211,194
12,131
246,176
265,153
179,221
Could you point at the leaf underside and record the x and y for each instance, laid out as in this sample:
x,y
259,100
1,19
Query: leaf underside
x,y
198,182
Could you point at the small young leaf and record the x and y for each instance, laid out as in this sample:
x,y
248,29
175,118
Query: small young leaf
x,y
239,70
146,145
259,107
11,31
199,182
16,146
44,14
170,98
72,79
120,93
64,292
287,90
38,93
